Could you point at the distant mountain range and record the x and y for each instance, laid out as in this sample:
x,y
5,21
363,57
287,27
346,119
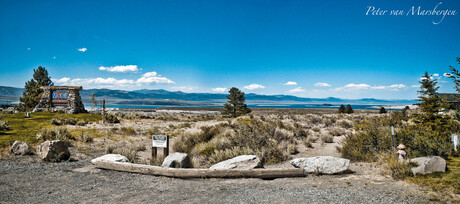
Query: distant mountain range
x,y
164,97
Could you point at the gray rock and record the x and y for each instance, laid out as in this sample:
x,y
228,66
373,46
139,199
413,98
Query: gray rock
x,y
177,160
322,165
429,164
110,158
19,147
53,151
244,162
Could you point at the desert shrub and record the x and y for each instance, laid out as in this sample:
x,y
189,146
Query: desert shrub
x,y
327,138
140,147
82,122
316,129
85,137
397,170
308,142
128,130
109,149
336,131
4,125
345,124
222,155
57,133
157,161
374,137
110,118
301,133
63,120
128,152
316,119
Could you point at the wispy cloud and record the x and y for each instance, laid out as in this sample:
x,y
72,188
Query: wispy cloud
x,y
322,84
220,90
61,80
357,86
254,86
290,83
83,49
153,77
120,68
296,90
352,86
415,86
28,48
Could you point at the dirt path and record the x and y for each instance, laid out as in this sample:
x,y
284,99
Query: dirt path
x,y
79,182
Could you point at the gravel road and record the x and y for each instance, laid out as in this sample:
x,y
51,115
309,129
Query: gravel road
x,y
80,182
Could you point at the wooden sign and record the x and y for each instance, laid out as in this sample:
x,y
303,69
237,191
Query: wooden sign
x,y
60,98
159,141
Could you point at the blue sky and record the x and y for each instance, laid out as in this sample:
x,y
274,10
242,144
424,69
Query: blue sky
x,y
323,48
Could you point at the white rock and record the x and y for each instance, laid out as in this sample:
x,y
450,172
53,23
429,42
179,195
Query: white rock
x,y
19,147
244,162
429,164
322,165
110,158
53,151
177,160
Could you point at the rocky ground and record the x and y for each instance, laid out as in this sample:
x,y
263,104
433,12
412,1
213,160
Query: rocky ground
x,y
27,180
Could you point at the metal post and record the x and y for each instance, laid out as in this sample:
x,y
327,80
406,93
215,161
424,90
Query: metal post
x,y
392,131
166,150
154,153
103,111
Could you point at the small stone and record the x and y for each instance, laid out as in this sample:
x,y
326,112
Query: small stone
x,y
244,162
53,151
19,147
429,164
322,165
110,158
177,160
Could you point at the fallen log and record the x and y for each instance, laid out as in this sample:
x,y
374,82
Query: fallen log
x,y
199,173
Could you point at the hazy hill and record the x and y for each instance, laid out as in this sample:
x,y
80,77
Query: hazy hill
x,y
164,97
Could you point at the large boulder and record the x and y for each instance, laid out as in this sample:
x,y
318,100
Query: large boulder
x,y
19,147
243,162
110,158
429,164
322,165
53,151
177,160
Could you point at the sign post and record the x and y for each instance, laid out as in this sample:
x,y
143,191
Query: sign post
x,y
160,141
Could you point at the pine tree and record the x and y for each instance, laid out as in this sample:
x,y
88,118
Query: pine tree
x,y
342,109
349,109
93,100
455,75
431,104
235,105
382,110
31,95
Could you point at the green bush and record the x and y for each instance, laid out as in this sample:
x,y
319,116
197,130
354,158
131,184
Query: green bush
x,y
4,125
63,120
85,137
57,133
110,118
397,170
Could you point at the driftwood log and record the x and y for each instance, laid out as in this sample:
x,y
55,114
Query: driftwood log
x,y
200,173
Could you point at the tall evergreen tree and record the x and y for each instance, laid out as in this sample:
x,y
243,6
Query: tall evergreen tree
x,y
235,105
349,109
455,75
342,109
431,104
31,95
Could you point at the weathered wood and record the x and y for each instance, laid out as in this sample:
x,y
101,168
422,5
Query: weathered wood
x,y
200,173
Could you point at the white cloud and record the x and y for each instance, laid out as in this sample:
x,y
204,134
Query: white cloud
x,y
103,81
357,86
120,68
292,83
254,86
83,49
436,75
153,77
394,86
415,86
447,74
61,80
296,90
28,48
322,84
220,90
